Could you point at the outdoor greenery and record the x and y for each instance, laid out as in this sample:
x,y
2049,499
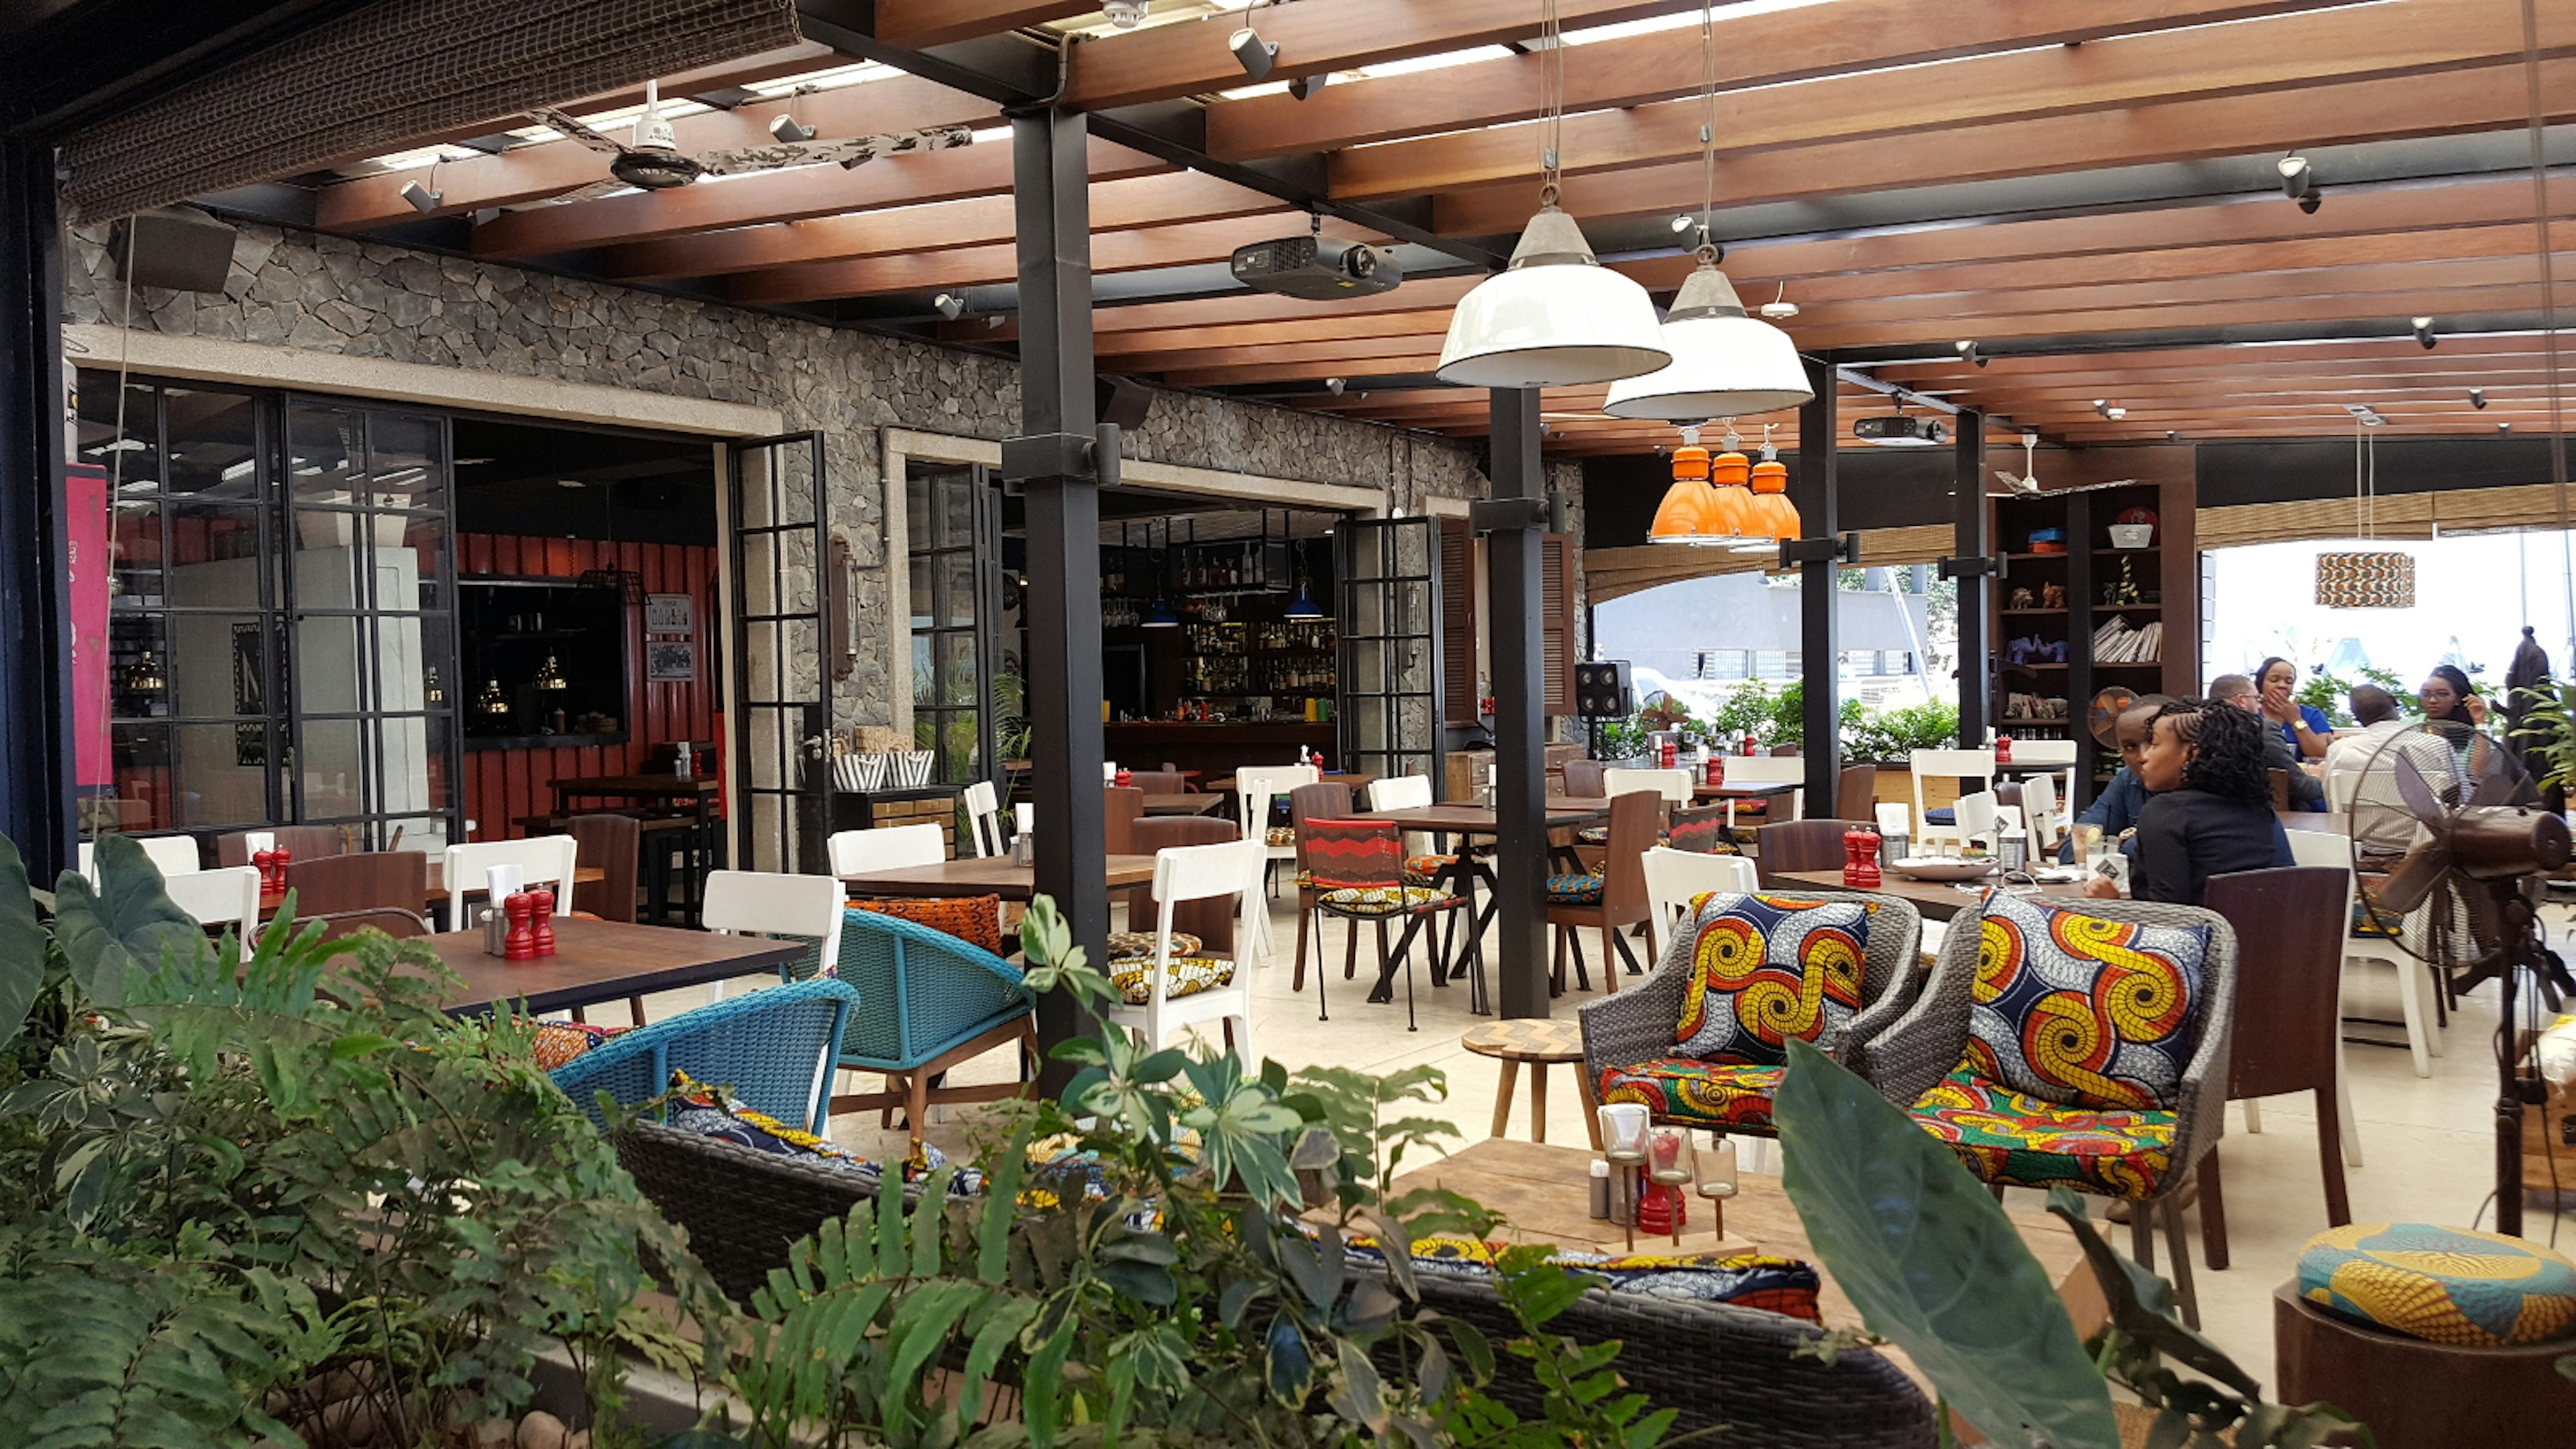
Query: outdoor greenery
x,y
1778,717
2333,694
2547,733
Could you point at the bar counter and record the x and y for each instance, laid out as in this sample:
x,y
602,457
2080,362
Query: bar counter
x,y
1214,750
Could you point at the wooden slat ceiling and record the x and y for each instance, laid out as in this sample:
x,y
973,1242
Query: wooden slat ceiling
x,y
2084,191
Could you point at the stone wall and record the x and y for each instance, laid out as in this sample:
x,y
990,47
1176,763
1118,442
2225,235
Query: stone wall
x,y
335,295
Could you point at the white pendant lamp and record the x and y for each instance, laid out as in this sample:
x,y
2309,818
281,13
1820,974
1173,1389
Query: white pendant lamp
x,y
1725,364
1555,318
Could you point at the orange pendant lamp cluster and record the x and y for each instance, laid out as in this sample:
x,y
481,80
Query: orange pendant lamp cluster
x,y
1684,515
1774,517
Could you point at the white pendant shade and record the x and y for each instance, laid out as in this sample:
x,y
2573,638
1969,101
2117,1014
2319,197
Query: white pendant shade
x,y
1725,364
1556,318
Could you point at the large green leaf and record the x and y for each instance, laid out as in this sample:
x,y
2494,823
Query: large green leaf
x,y
22,945
121,927
1933,1263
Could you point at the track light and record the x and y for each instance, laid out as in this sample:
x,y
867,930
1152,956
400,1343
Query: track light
x,y
950,305
1306,85
2504,428
1682,223
2424,332
2478,398
2299,182
2173,435
1253,53
1334,385
421,198
994,322
1125,14
2109,409
1968,353
788,132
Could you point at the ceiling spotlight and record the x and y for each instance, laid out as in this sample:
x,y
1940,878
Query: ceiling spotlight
x,y
421,198
2366,415
2478,398
1968,353
2424,332
2173,435
570,483
788,132
2291,167
2504,427
1334,385
2299,182
2109,409
950,305
1253,53
1682,223
1779,308
1306,85
1125,14
994,322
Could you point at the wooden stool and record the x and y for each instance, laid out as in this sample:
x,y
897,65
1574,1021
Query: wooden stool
x,y
1542,1042
2419,1395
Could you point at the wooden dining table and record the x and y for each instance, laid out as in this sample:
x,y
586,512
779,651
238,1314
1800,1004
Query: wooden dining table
x,y
270,899
1197,803
1463,819
1937,900
991,875
599,961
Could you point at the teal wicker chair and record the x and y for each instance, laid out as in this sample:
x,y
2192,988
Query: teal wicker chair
x,y
768,1046
934,1001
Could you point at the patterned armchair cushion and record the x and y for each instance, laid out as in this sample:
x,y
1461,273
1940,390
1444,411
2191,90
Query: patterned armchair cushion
x,y
1384,900
975,920
2082,1010
1574,890
2023,1141
2443,1285
1767,968
1746,1280
1698,1093
1593,834
708,1113
1186,976
560,1041
1123,944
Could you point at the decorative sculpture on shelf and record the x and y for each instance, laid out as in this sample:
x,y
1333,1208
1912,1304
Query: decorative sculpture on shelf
x,y
2052,596
2123,590
2020,600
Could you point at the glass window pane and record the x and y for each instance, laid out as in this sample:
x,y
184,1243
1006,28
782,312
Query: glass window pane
x,y
426,834
213,444
327,666
925,674
222,774
956,574
214,555
421,545
922,617
333,767
216,665
794,474
139,756
916,513
136,550
412,750
408,460
138,665
797,572
324,446
954,504
130,456
957,669
961,755
758,580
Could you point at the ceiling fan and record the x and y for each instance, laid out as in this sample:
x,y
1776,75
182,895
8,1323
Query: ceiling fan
x,y
2027,481
654,161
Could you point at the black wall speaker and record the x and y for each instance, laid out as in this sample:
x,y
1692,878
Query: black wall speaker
x,y
1122,402
185,251
1601,689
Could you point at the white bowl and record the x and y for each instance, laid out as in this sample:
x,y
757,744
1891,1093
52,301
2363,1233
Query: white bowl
x,y
1931,867
2132,535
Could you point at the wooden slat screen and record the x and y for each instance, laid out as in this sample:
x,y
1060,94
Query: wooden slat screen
x,y
1556,604
1459,666
2401,515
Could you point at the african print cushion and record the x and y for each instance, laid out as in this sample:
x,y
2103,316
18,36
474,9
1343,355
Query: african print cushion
x,y
1419,869
2083,1010
1702,1094
709,1114
1765,969
2019,1140
2443,1285
1746,1280
1123,944
1383,900
1573,890
1593,834
560,1041
1185,976
975,920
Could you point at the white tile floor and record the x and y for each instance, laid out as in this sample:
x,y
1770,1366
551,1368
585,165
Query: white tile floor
x,y
2426,1142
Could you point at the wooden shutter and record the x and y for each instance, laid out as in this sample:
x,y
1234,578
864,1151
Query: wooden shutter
x,y
1459,667
1556,609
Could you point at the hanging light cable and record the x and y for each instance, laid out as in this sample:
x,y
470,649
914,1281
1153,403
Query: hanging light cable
x,y
1555,317
1726,364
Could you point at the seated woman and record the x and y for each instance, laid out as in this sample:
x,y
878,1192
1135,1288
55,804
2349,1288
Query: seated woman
x,y
2454,710
2209,805
2303,727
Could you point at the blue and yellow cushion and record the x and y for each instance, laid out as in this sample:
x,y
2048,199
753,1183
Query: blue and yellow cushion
x,y
1383,900
1185,976
1701,1094
1746,1280
1124,944
1573,890
1765,969
2023,1141
2442,1285
2080,1010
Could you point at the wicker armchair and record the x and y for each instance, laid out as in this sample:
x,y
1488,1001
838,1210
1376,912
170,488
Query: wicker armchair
x,y
742,1208
1919,1052
769,1047
934,1001
1635,1027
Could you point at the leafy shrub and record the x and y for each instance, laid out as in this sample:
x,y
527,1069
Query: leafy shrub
x,y
1894,734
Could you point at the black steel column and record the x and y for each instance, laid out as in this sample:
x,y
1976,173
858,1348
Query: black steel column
x,y
35,627
1053,466
1812,488
1976,590
1516,596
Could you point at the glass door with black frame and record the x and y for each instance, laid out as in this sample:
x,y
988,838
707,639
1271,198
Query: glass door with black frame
x,y
783,695
1390,646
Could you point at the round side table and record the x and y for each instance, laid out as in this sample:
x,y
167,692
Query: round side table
x,y
1542,1042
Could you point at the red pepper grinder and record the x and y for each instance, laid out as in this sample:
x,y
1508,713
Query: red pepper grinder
x,y
1750,745
1126,777
2003,749
1860,858
1716,770
520,908
1661,1210
1672,754
541,923
265,862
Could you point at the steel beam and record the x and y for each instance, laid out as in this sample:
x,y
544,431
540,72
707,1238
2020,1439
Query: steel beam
x,y
1812,488
1515,594
35,639
1976,590
1061,496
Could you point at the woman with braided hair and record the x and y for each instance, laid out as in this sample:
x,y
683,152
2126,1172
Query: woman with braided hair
x,y
2209,805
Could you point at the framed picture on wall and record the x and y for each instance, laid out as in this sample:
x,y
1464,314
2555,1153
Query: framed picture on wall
x,y
667,661
670,614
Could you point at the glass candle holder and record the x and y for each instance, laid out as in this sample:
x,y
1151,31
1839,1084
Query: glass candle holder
x,y
1670,1157
1717,1171
1623,1131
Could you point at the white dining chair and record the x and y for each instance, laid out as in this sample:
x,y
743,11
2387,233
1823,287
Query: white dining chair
x,y
1977,765
765,903
888,847
2039,814
1675,877
1257,788
2415,986
984,816
1977,816
225,897
543,860
2050,752
1673,785
1769,770
172,854
1195,873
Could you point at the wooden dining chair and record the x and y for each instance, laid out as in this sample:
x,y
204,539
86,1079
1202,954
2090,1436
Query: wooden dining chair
x,y
1325,800
1159,782
1120,809
1210,918
611,844
2292,921
1856,792
400,924
1583,778
1612,899
1798,845
377,880
302,842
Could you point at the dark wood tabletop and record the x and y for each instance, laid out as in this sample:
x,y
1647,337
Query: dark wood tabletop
x,y
1938,900
1192,804
641,786
598,961
1749,790
1479,819
270,900
992,875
